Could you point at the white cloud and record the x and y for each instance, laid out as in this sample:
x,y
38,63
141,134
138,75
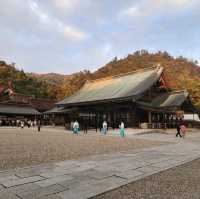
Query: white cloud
x,y
175,3
146,8
43,17
71,33
95,55
54,24
132,11
66,4
54,35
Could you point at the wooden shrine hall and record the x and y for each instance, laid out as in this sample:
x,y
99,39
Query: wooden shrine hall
x,y
15,106
137,98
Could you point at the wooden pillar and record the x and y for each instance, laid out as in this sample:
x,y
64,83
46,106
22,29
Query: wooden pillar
x,y
193,120
149,116
133,118
163,122
96,121
89,120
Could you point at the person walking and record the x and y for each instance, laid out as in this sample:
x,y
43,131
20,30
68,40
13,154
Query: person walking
x,y
178,129
100,127
17,123
71,125
85,126
22,124
39,125
122,131
76,127
29,123
105,127
35,122
183,130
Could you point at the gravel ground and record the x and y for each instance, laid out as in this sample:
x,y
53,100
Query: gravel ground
x,y
182,182
19,148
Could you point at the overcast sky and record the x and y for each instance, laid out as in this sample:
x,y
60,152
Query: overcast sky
x,y
67,36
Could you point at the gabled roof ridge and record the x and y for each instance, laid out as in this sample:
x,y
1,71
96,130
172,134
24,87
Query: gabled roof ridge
x,y
178,91
42,99
10,102
6,101
132,86
124,74
173,92
21,94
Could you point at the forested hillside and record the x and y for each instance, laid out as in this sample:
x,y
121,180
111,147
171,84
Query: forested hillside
x,y
50,78
180,73
22,83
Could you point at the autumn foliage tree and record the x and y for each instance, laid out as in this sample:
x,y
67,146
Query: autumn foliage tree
x,y
180,73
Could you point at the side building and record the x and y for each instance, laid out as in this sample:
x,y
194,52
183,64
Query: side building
x,y
139,99
15,106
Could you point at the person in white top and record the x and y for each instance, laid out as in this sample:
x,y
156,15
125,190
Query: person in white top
x,y
35,123
76,127
105,127
121,131
22,124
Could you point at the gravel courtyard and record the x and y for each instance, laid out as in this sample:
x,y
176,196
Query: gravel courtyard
x,y
181,182
19,148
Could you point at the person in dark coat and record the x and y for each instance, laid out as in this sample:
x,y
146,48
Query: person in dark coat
x,y
85,126
39,125
178,128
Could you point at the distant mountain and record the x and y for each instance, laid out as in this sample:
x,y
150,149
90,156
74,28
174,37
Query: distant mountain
x,y
51,78
180,73
23,83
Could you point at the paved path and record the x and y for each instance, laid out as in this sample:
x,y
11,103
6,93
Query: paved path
x,y
87,177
